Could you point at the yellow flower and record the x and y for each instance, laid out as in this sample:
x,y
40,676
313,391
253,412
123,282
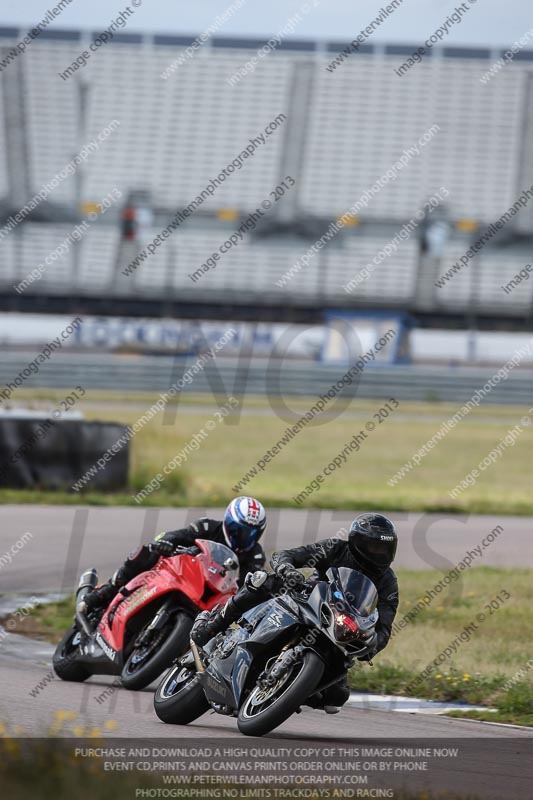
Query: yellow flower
x,y
466,675
62,715
438,676
465,679
448,677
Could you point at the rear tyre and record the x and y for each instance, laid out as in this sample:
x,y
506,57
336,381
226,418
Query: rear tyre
x,y
145,664
65,659
179,698
262,711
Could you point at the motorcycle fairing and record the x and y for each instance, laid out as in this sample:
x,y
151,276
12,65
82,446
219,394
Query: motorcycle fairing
x,y
168,576
317,598
92,653
272,621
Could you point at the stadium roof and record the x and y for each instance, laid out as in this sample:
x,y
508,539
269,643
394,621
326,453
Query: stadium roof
x,y
249,43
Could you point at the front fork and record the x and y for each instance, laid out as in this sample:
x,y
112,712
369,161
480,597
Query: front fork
x,y
197,657
288,656
158,622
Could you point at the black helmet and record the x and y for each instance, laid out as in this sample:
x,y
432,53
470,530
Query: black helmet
x,y
373,541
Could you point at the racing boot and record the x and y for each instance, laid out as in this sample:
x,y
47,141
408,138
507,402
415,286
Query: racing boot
x,y
318,701
101,596
209,623
331,699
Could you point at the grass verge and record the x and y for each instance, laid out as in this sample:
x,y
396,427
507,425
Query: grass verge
x,y
47,622
487,668
233,446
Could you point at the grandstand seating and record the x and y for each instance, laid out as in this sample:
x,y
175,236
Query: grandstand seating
x,y
481,284
176,134
52,115
253,268
349,129
250,269
4,183
364,116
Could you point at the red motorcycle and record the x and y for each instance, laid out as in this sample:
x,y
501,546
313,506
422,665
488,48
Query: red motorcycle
x,y
147,624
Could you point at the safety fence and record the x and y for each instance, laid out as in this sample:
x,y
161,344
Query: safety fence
x,y
130,373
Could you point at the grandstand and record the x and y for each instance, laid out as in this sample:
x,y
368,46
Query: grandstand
x,y
344,129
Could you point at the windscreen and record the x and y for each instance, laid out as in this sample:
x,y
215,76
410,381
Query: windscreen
x,y
358,590
217,554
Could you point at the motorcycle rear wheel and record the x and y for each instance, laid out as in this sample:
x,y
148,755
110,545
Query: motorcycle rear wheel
x,y
262,711
138,673
65,659
179,698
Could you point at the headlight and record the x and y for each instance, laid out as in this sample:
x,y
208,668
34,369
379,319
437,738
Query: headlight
x,y
346,629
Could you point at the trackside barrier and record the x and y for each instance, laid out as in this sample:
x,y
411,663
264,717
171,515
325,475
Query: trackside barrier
x,y
303,378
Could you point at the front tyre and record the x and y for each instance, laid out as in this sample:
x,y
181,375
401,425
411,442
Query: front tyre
x,y
179,698
65,659
263,710
146,662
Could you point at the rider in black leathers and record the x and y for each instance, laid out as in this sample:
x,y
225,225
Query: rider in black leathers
x,y
370,549
243,525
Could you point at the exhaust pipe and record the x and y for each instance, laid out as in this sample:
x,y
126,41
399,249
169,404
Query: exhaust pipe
x,y
88,582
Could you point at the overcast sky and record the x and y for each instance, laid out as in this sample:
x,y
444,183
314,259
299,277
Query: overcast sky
x,y
488,22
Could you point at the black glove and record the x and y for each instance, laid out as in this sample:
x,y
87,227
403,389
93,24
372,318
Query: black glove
x,y
290,576
370,640
163,548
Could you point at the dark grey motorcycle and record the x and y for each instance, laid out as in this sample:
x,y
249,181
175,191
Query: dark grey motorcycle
x,y
283,652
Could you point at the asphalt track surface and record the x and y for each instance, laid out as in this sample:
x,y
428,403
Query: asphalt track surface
x,y
506,771
66,540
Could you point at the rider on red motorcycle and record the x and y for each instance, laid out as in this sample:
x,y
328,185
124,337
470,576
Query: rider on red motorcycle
x,y
241,529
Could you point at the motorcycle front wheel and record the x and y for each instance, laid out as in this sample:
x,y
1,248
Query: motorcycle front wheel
x,y
147,661
265,709
179,698
65,659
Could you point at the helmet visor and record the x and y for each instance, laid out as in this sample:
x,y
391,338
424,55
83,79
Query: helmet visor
x,y
380,551
242,537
